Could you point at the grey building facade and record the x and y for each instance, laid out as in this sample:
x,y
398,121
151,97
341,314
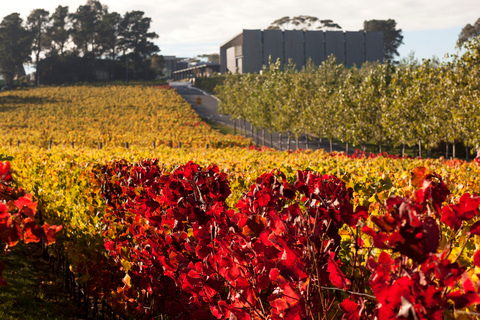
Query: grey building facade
x,y
250,50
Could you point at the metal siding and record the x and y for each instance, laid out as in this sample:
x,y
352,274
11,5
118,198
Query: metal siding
x,y
252,51
374,46
223,60
355,49
272,45
231,61
294,48
314,46
334,41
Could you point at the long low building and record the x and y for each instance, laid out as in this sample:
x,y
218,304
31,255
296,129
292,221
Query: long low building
x,y
250,50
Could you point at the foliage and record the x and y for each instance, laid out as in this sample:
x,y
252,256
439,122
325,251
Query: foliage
x,y
37,24
286,248
15,46
392,38
209,84
211,57
17,217
469,32
423,105
140,114
303,22
76,44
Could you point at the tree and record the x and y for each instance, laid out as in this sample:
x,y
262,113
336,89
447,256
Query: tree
x,y
469,32
303,22
85,26
15,46
108,33
58,32
392,38
211,58
135,38
37,23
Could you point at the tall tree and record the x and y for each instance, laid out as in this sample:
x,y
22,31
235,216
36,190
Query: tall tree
x,y
84,27
303,22
37,23
135,38
392,38
108,32
15,46
59,32
211,58
469,32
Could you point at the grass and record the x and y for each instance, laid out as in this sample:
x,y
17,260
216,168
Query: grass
x,y
34,291
220,127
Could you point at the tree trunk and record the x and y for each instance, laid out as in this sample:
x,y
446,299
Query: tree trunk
x,y
453,150
466,153
446,150
346,148
420,149
234,127
296,143
280,138
288,141
403,149
331,146
271,140
414,150
306,142
263,136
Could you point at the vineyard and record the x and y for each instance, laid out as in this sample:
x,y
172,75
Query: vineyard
x,y
144,221
429,107
95,116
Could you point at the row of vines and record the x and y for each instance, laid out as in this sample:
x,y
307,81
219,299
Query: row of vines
x,y
420,105
96,115
322,237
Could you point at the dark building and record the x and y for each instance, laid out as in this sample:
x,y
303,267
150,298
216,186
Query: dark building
x,y
249,51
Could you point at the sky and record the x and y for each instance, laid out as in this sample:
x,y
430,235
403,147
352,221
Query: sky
x,y
187,28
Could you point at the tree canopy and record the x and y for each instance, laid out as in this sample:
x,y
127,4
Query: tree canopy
x,y
392,38
469,32
303,22
211,57
78,43
15,46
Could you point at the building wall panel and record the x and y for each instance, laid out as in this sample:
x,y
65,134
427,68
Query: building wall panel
x,y
231,60
273,46
314,46
355,48
374,46
335,44
295,47
252,51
